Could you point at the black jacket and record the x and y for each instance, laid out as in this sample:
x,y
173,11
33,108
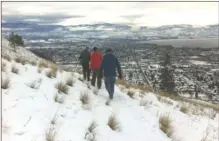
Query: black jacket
x,y
84,57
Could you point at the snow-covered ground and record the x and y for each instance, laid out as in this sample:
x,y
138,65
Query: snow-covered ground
x,y
27,112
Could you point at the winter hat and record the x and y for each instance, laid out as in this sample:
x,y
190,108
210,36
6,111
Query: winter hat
x,y
109,50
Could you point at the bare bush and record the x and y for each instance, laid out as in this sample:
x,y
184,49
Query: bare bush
x,y
14,69
131,94
5,83
85,99
59,99
62,87
165,125
93,125
51,134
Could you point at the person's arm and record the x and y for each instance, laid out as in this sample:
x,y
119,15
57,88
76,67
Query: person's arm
x,y
119,68
102,67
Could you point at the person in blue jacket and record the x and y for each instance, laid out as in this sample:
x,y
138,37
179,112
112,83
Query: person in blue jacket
x,y
108,66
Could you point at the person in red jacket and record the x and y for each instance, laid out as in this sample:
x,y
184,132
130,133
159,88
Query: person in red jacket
x,y
95,62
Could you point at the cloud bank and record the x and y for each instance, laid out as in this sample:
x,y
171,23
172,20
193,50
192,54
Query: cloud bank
x,y
130,13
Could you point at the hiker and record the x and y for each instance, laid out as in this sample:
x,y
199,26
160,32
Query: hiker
x,y
95,62
84,60
109,65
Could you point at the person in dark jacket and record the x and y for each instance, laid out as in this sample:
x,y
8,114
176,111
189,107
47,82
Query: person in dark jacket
x,y
95,62
84,60
109,65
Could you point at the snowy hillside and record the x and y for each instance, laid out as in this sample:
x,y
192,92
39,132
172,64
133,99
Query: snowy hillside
x,y
36,107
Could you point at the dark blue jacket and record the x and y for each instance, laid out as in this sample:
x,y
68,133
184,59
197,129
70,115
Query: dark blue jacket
x,y
109,65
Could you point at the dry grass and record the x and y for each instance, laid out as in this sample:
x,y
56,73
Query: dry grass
x,y
34,85
142,88
95,91
51,73
62,87
212,114
164,100
6,57
131,94
81,79
93,125
89,86
194,102
144,102
85,99
18,59
39,70
54,119
92,137
43,64
34,63
5,83
107,102
51,134
206,134
165,125
69,82
3,67
14,69
184,108
58,99
21,60
113,123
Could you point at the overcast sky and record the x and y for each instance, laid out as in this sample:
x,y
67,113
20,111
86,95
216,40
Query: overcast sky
x,y
135,14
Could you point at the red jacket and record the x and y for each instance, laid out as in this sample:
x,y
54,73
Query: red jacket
x,y
96,60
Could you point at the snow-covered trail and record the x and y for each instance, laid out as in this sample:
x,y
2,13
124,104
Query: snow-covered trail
x,y
27,112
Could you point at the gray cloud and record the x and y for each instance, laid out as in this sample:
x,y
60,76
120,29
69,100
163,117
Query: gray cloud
x,y
41,19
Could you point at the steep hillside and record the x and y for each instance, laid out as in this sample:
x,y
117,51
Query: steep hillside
x,y
43,102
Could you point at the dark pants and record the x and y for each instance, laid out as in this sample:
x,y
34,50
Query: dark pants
x,y
96,75
109,84
86,71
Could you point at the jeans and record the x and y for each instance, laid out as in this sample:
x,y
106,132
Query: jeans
x,y
109,84
96,75
86,71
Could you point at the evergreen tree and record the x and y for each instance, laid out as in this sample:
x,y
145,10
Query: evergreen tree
x,y
15,40
166,78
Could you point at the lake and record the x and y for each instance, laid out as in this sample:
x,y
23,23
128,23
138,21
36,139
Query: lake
x,y
203,42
